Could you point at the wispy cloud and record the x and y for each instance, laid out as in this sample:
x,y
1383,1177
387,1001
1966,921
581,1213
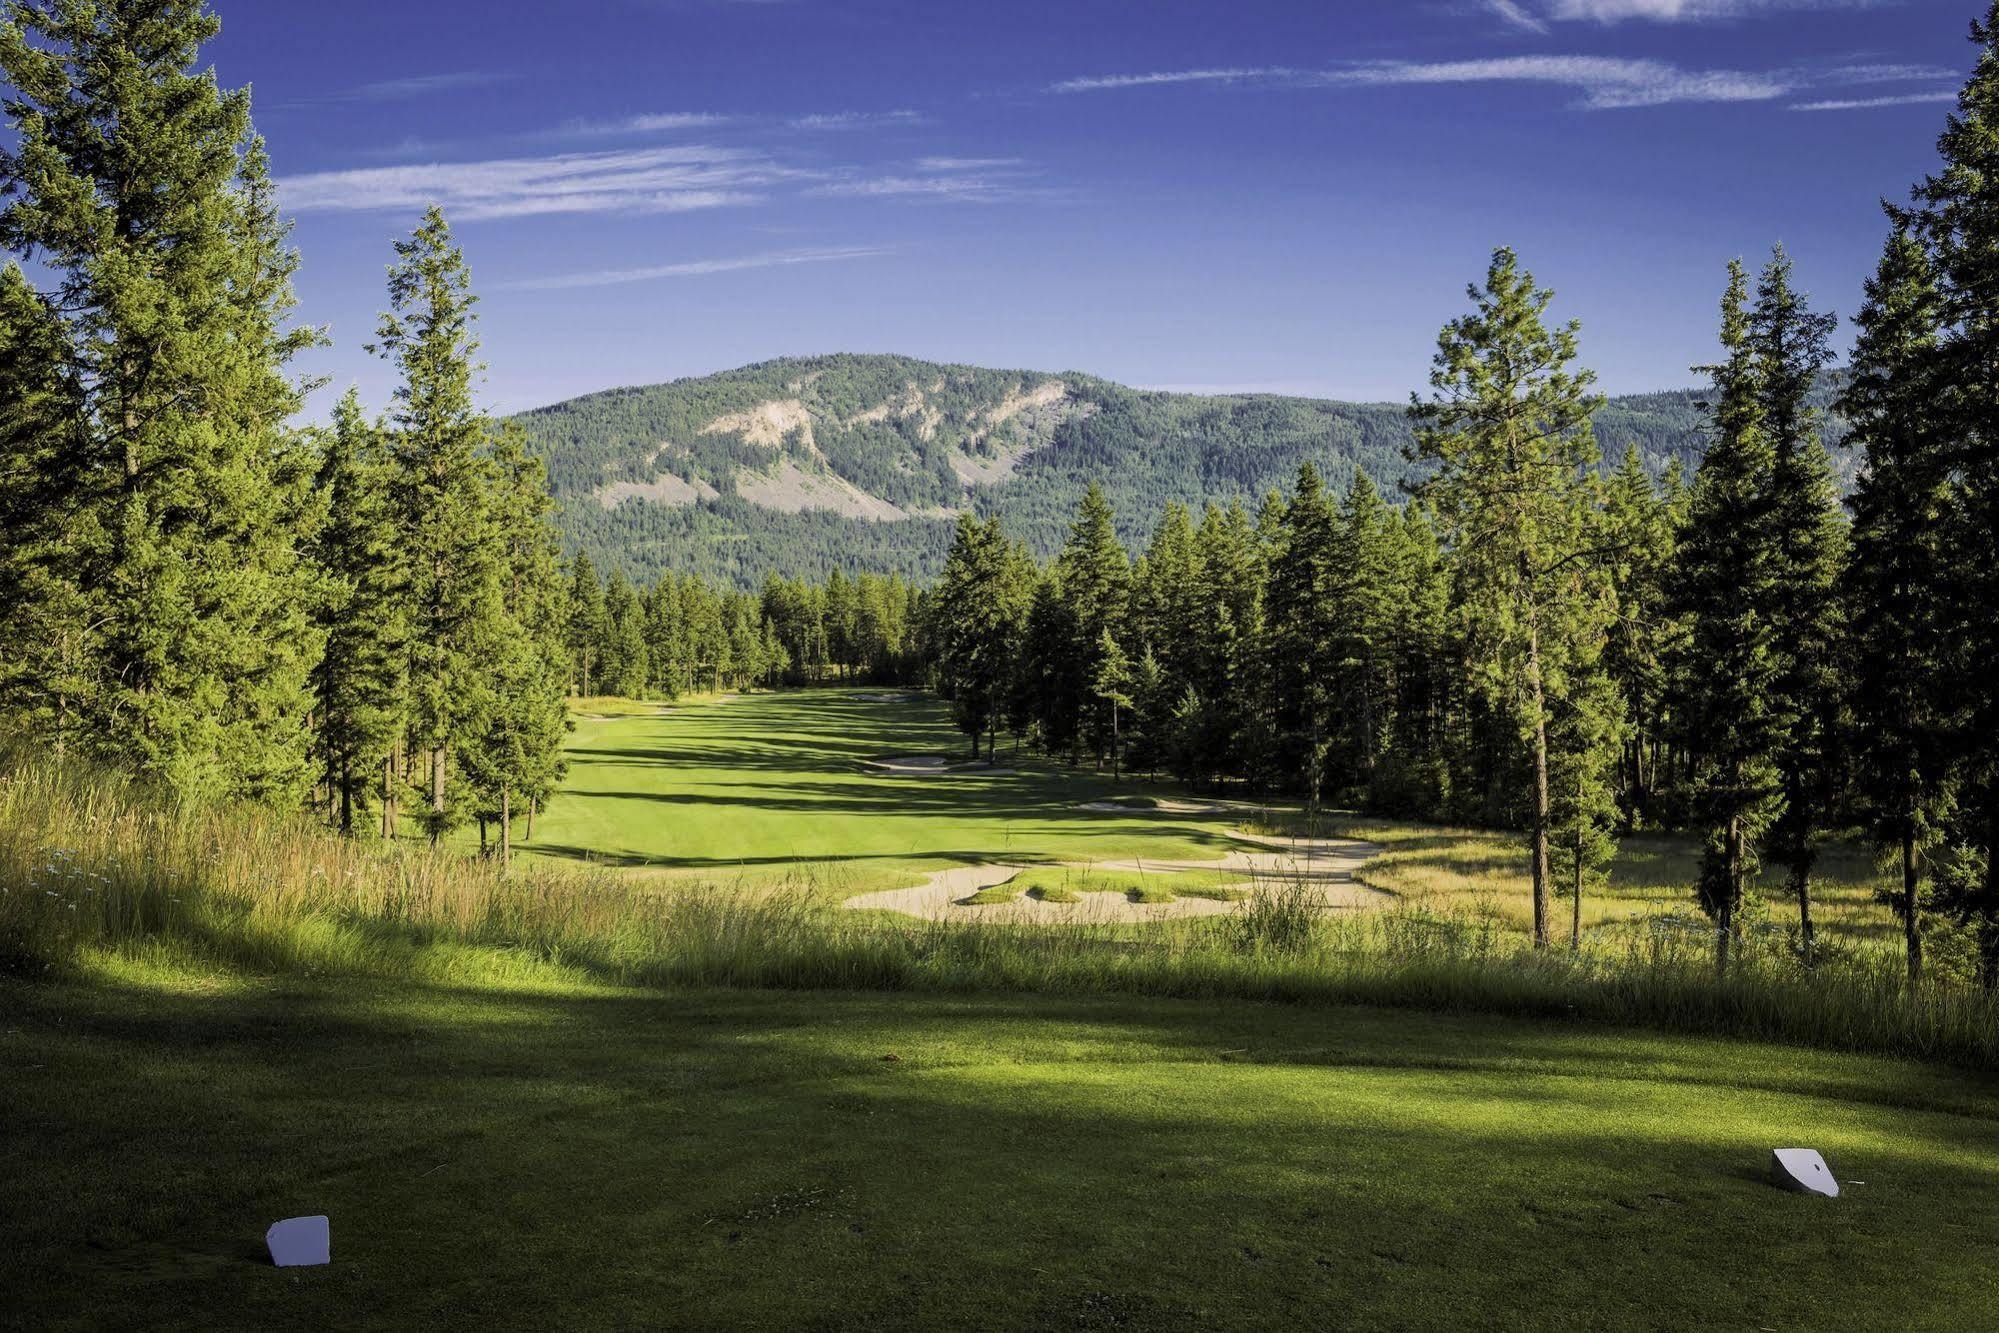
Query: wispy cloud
x,y
655,122
1104,82
855,120
1685,11
1605,83
1869,103
1517,16
694,268
409,89
967,163
951,188
650,180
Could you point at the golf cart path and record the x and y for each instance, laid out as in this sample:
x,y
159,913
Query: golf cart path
x,y
1326,864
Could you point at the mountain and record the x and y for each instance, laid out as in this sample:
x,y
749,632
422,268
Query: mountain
x,y
803,465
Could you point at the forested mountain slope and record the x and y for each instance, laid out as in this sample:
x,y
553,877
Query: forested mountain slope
x,y
803,465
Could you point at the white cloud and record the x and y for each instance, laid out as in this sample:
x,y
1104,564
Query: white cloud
x,y
954,188
693,268
649,180
1869,103
855,120
1110,81
1605,82
1683,11
1517,15
967,163
657,122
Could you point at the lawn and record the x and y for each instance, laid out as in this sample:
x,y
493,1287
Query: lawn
x,y
775,788
556,1155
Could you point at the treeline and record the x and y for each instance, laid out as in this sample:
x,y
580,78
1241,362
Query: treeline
x,y
1528,641
366,616
684,635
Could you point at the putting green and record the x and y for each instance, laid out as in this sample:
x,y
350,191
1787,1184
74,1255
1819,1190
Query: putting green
x,y
778,788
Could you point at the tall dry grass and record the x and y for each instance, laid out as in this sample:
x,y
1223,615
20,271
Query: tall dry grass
x,y
90,865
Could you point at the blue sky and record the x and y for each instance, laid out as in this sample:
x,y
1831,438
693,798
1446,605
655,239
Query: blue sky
x,y
1257,194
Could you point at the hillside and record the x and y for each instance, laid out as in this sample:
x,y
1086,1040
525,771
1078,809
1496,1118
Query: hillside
x,y
861,462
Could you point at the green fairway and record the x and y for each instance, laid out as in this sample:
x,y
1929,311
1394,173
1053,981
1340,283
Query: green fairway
x,y
776,787
576,1158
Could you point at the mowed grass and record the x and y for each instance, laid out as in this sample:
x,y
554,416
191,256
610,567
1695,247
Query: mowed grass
x,y
564,1156
768,789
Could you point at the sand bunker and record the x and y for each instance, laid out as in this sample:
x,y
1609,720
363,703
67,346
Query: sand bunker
x,y
935,765
1169,806
1327,866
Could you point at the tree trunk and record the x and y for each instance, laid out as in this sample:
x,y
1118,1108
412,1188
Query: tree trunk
x,y
1541,803
531,809
1912,926
1576,907
1801,885
1988,955
436,793
506,826
346,797
1731,894
388,796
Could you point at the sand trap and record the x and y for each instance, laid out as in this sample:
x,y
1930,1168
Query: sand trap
x,y
1170,806
934,765
1328,869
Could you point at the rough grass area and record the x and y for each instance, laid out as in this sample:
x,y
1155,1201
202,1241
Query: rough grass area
x,y
582,1157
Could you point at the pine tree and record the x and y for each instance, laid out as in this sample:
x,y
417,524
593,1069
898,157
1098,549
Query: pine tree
x,y
1636,515
586,623
445,519
1112,687
1366,603
45,511
1956,214
1906,720
977,617
1095,574
1300,653
1508,427
136,185
1726,586
358,682
1791,346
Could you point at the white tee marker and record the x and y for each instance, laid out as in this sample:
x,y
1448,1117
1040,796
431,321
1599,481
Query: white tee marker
x,y
299,1242
1802,1170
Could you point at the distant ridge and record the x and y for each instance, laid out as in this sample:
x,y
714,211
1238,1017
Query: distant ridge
x,y
861,462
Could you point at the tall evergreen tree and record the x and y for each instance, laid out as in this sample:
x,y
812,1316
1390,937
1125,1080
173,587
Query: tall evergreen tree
x,y
1730,562
1638,518
1904,698
977,612
136,185
1301,651
1096,590
445,517
358,682
1956,214
1508,428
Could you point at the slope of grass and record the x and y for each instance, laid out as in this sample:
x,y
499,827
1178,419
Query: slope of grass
x,y
579,1156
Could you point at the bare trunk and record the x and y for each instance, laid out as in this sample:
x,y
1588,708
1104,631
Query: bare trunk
x,y
1731,894
1912,926
388,796
346,798
531,809
1576,907
436,793
506,826
1541,803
